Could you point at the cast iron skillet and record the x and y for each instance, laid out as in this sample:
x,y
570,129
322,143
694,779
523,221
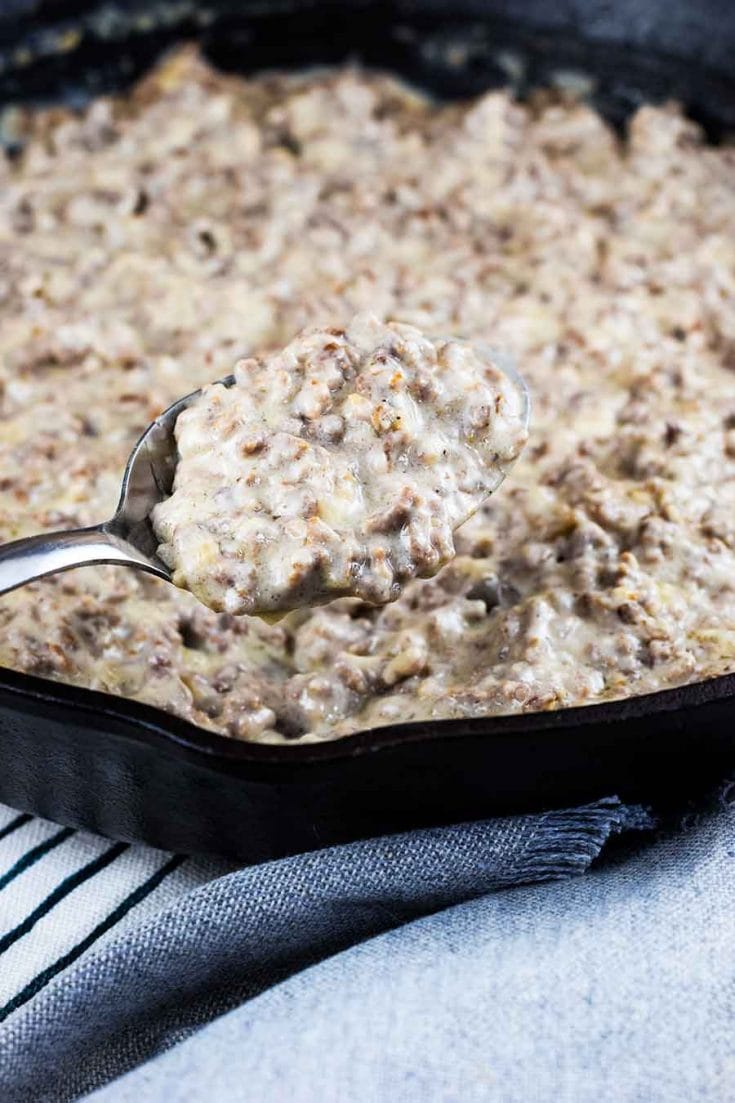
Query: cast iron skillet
x,y
133,772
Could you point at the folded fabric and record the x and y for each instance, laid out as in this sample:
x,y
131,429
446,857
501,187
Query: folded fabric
x,y
618,987
230,940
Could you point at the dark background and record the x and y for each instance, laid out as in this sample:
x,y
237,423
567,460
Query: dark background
x,y
636,49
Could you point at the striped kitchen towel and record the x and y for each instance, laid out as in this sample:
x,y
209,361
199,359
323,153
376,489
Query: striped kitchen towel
x,y
64,892
112,954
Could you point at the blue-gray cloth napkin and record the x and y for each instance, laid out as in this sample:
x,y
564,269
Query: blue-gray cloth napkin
x,y
239,937
616,987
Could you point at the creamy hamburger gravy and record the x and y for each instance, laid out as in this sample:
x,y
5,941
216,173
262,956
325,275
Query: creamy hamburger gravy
x,y
339,466
150,242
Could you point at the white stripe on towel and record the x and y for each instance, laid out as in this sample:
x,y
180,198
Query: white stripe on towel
x,y
46,918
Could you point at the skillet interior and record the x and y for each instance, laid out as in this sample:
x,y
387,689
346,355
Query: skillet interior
x,y
134,772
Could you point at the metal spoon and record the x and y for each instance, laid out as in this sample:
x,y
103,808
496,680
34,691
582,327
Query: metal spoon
x,y
129,537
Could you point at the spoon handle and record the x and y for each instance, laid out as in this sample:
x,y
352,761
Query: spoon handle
x,y
24,560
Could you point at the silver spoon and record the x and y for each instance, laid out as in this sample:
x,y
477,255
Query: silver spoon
x,y
129,537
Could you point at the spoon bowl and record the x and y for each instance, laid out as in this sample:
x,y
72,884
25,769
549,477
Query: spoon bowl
x,y
128,538
148,479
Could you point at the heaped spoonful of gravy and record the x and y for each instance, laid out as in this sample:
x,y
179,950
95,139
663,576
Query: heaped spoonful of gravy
x,y
339,466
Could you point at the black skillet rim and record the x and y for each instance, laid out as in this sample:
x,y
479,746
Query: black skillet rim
x,y
162,730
